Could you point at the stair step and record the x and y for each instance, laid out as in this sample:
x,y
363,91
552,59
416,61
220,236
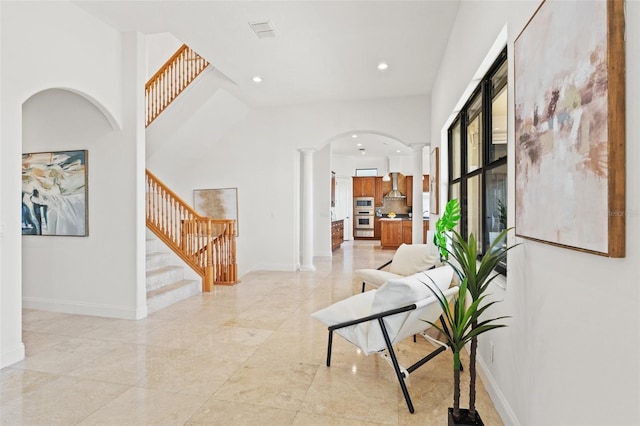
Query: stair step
x,y
163,276
172,293
156,260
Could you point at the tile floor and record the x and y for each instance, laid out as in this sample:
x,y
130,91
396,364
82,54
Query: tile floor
x,y
243,355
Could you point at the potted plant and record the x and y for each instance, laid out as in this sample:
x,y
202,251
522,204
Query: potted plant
x,y
476,277
460,332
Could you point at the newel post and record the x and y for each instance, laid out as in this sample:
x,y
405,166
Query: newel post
x,y
208,271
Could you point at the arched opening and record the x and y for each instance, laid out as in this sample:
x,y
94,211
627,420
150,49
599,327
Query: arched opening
x,y
68,271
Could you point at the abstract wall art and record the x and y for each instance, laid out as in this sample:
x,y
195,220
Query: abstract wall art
x,y
217,203
54,193
570,126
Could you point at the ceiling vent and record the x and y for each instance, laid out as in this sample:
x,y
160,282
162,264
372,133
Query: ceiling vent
x,y
264,29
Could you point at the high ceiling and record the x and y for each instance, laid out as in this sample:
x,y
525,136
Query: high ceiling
x,y
324,50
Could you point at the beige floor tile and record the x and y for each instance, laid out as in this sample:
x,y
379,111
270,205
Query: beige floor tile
x,y
216,412
245,354
309,419
33,398
269,384
139,406
340,391
191,373
66,355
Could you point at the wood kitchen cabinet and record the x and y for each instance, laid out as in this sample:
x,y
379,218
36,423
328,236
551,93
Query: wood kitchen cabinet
x,y
376,228
378,195
364,186
391,234
396,232
337,234
409,189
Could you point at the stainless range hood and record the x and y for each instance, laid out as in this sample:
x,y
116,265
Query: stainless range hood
x,y
394,194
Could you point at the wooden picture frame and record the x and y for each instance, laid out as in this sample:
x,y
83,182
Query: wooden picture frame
x,y
570,127
55,193
434,181
219,203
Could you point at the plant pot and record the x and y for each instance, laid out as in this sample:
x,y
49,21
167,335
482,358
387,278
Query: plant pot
x,y
465,420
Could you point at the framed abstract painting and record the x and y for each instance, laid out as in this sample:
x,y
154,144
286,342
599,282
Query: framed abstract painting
x,y
570,126
217,203
54,193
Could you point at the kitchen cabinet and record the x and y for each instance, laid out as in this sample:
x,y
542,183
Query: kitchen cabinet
x,y
391,233
396,232
337,234
376,228
378,195
364,186
409,189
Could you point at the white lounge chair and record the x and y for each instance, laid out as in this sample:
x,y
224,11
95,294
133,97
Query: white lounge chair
x,y
377,319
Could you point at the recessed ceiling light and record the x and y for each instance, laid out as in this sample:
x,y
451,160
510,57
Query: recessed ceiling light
x,y
354,136
383,66
257,79
397,150
359,144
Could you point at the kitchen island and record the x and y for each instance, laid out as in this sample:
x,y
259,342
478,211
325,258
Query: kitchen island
x,y
398,230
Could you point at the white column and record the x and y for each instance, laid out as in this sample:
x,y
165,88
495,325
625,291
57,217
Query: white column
x,y
307,210
416,223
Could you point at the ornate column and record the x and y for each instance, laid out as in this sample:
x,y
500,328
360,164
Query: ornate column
x,y
307,210
416,223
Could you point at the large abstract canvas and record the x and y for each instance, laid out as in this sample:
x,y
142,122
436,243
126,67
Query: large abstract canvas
x,y
217,203
569,126
54,193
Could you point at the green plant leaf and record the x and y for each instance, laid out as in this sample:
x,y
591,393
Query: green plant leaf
x,y
448,220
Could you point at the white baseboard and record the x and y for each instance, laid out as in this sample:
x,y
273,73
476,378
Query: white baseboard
x,y
13,355
495,393
80,308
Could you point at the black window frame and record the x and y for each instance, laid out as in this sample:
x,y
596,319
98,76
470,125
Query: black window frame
x,y
486,91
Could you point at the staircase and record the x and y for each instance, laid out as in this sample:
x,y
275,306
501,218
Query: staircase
x,y
166,283
174,229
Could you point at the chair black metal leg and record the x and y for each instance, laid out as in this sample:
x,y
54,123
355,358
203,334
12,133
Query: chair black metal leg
x,y
329,348
362,286
396,366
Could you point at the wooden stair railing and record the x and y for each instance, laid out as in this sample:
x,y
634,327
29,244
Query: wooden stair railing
x,y
207,245
171,79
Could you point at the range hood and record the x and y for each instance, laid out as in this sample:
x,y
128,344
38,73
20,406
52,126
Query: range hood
x,y
394,194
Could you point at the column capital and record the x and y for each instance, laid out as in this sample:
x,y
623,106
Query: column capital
x,y
310,150
418,146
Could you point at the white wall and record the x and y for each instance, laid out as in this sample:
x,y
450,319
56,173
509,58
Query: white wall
x,y
56,45
79,274
257,153
160,47
571,352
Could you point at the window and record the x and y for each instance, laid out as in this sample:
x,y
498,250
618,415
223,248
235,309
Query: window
x,y
478,160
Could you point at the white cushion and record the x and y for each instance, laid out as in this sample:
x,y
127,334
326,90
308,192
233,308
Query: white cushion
x,y
408,259
376,277
396,293
356,306
412,258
